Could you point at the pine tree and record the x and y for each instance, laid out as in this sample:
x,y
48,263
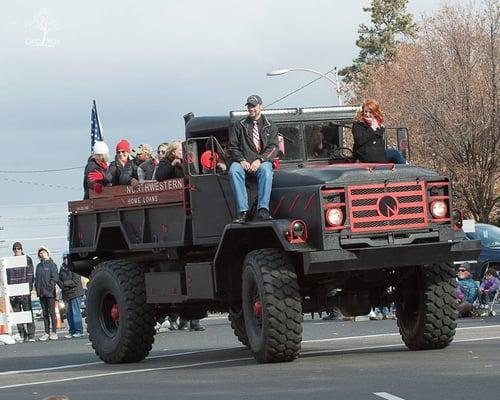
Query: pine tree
x,y
390,23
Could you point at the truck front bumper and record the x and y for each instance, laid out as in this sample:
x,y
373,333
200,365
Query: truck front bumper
x,y
317,262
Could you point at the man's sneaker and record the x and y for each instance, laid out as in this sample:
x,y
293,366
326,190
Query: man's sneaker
x,y
263,215
68,336
17,337
31,339
197,328
78,335
53,336
183,326
241,218
44,337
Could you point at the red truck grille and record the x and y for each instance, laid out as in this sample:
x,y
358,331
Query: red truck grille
x,y
381,207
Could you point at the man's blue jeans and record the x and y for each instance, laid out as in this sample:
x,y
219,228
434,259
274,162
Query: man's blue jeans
x,y
237,178
394,156
74,315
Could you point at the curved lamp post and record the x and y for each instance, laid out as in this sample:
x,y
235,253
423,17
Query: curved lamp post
x,y
283,71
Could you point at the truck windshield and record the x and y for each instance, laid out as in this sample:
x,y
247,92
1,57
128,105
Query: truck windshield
x,y
321,138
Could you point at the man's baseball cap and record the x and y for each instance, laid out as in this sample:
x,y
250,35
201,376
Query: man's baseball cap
x,y
465,265
253,100
144,148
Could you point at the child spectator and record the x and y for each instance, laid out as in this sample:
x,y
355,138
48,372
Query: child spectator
x,y
489,287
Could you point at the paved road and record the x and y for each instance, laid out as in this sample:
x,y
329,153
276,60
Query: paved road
x,y
339,360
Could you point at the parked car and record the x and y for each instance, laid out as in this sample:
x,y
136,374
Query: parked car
x,y
490,249
37,309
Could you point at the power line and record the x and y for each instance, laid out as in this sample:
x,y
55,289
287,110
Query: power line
x,y
47,185
40,171
300,88
34,204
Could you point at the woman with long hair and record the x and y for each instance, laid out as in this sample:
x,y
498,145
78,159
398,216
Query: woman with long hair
x,y
170,166
368,131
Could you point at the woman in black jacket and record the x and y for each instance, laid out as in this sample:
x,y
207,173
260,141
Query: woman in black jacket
x,y
170,166
46,278
368,132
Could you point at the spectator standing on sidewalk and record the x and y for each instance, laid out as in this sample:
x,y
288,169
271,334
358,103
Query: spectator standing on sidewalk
x,y
46,278
22,303
72,293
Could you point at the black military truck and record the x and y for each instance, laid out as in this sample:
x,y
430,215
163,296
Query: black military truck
x,y
345,234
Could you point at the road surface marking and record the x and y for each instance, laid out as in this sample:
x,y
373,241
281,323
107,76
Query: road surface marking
x,y
200,364
134,371
24,371
239,347
388,396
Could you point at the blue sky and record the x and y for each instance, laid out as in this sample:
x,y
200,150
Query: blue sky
x,y
146,64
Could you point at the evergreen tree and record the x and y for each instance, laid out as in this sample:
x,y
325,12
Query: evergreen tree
x,y
390,23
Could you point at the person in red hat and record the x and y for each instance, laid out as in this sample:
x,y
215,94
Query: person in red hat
x,y
121,158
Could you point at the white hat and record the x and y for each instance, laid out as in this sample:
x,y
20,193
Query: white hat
x,y
43,248
100,148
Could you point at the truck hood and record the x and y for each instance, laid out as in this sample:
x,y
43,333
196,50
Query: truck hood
x,y
342,174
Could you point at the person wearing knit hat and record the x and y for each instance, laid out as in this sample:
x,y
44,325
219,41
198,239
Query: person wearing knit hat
x,y
96,173
22,303
46,279
130,174
121,158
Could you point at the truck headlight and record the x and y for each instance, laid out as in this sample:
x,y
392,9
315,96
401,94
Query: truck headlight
x,y
334,216
438,209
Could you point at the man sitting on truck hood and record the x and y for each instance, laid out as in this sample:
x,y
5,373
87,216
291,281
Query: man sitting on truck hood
x,y
253,145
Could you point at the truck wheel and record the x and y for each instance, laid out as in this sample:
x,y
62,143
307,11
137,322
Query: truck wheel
x,y
119,321
426,309
235,316
272,306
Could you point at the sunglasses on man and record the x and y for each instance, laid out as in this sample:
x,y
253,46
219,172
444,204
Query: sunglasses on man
x,y
462,270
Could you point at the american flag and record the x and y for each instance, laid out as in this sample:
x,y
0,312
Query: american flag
x,y
95,127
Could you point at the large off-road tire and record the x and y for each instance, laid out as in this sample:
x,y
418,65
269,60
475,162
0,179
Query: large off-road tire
x,y
119,321
237,321
426,308
272,306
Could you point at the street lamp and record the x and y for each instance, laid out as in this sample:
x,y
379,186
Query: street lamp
x,y
336,84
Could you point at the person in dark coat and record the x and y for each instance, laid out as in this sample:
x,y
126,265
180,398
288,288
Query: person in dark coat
x,y
122,157
170,167
368,132
46,279
147,170
22,303
129,175
72,294
96,173
253,146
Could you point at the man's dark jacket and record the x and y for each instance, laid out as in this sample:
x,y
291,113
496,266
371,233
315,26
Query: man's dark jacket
x,y
115,170
129,171
46,278
241,145
70,283
148,169
369,144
